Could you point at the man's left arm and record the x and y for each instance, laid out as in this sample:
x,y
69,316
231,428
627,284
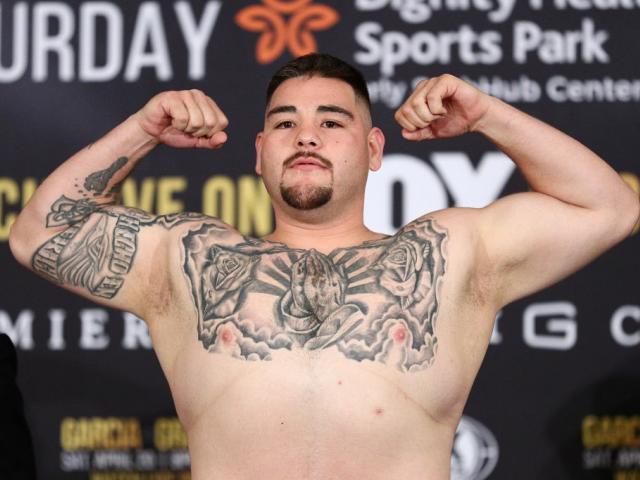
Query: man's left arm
x,y
578,206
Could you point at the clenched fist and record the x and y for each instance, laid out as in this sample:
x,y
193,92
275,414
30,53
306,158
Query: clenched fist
x,y
442,107
184,119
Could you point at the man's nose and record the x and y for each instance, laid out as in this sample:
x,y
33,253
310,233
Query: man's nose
x,y
307,138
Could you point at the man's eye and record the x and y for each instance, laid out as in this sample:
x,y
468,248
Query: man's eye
x,y
285,124
331,124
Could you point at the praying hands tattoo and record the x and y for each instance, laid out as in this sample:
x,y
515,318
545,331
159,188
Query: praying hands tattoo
x,y
376,301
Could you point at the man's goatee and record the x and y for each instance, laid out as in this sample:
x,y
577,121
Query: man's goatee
x,y
306,198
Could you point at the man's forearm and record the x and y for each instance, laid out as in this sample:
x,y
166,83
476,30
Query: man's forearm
x,y
87,181
554,163
96,172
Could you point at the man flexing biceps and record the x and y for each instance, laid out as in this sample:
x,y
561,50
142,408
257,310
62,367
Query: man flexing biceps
x,y
323,350
73,228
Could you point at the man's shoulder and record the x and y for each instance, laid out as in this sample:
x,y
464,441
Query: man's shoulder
x,y
456,222
458,231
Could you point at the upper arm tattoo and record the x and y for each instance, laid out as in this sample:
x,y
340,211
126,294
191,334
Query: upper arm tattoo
x,y
98,247
376,301
95,253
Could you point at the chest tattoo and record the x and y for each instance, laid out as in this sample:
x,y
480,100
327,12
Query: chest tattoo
x,y
376,301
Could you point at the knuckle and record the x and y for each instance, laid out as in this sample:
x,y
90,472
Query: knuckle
x,y
433,97
180,121
170,96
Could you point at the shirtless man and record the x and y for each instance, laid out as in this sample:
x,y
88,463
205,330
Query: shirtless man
x,y
324,350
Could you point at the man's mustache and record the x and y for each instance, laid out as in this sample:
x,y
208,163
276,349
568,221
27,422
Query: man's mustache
x,y
326,163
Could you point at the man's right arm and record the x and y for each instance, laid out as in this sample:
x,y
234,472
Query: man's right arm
x,y
74,234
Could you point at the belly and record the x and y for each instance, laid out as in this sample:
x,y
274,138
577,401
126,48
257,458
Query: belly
x,y
304,416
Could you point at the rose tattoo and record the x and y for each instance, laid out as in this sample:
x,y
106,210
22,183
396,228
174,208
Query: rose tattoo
x,y
401,265
224,276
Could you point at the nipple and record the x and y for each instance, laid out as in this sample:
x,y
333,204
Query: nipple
x,y
399,334
227,337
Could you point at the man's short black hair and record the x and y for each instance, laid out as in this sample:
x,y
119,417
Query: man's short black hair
x,y
321,65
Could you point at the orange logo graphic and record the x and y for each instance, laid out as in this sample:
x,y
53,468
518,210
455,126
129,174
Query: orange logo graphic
x,y
278,33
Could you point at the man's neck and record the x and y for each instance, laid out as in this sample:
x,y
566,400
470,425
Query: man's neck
x,y
323,237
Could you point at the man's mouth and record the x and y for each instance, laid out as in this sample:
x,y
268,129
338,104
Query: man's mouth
x,y
307,161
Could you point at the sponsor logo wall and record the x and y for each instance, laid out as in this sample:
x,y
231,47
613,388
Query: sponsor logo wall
x,y
558,395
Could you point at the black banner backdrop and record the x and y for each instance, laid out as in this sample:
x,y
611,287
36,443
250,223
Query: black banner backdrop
x,y
559,394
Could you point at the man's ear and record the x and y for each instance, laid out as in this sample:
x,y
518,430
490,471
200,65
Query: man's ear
x,y
375,142
259,153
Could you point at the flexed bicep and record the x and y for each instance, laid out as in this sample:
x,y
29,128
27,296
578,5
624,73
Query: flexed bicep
x,y
73,233
106,254
533,240
95,252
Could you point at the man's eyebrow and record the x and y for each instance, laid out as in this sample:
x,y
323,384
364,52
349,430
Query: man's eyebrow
x,y
281,109
321,108
335,109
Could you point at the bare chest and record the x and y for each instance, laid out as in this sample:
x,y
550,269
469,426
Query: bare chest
x,y
377,301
